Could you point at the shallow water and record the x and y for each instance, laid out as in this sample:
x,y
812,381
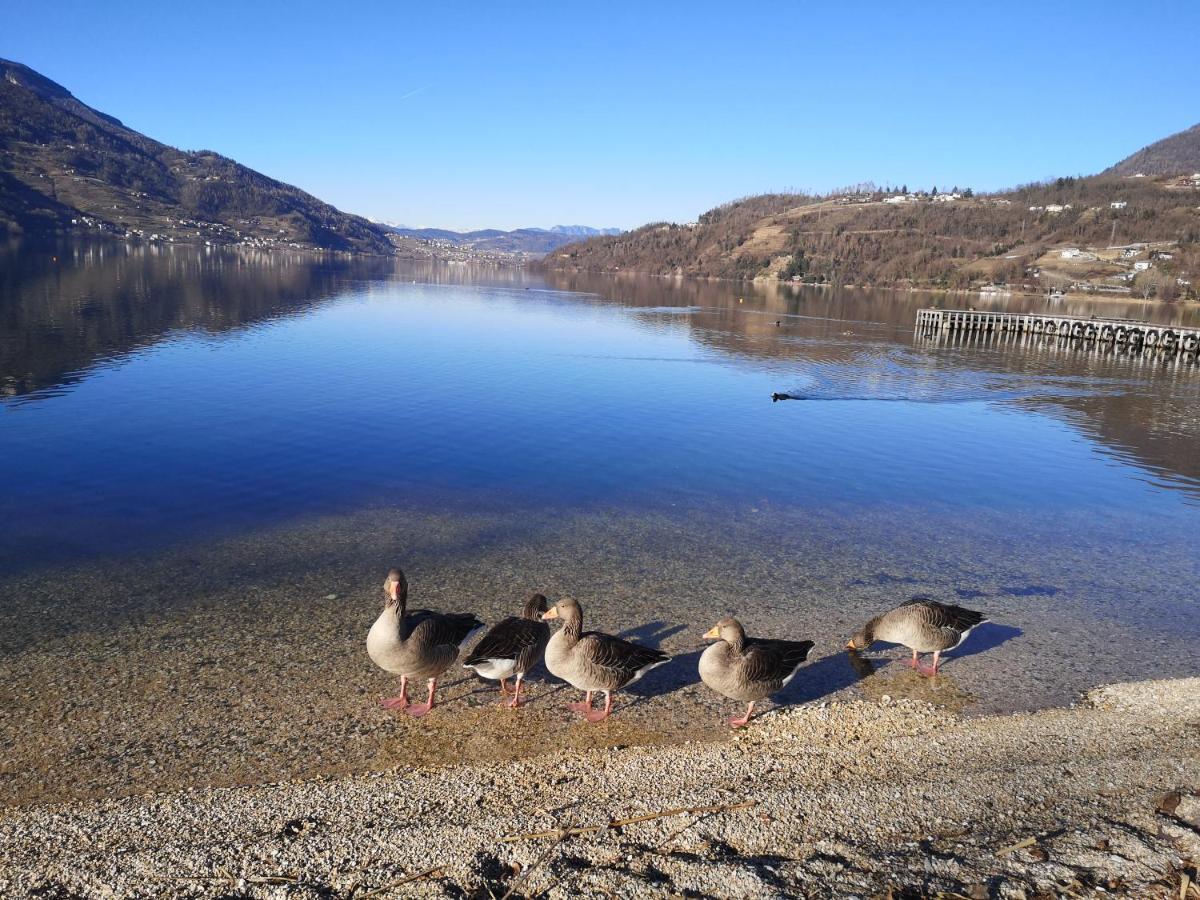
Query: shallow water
x,y
202,447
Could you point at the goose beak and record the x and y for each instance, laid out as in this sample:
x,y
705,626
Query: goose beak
x,y
713,632
551,613
850,645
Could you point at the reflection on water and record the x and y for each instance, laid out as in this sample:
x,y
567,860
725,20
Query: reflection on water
x,y
157,392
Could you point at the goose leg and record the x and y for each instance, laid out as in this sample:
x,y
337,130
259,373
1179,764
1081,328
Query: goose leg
x,y
741,723
584,707
503,689
401,700
599,715
419,709
931,670
915,662
516,700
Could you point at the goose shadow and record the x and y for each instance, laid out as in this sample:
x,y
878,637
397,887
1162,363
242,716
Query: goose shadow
x,y
823,677
669,677
651,634
984,637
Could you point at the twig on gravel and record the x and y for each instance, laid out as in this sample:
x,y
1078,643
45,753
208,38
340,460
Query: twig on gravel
x,y
621,823
399,881
562,836
1019,845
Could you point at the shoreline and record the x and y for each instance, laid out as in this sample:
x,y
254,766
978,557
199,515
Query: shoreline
x,y
240,660
828,799
894,287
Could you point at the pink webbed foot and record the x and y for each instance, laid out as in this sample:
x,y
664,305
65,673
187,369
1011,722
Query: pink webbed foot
x,y
927,671
416,710
744,720
580,707
394,702
596,715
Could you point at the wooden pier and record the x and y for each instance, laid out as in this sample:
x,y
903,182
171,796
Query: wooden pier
x,y
1128,332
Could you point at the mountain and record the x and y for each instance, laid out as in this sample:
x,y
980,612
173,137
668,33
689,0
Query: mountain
x,y
1070,233
583,230
1178,154
65,167
530,241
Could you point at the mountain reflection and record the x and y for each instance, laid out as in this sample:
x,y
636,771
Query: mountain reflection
x,y
1142,408
63,312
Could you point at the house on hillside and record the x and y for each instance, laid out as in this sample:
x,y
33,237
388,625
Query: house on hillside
x,y
900,198
1118,204
1142,265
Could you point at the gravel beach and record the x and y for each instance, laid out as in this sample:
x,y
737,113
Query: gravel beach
x,y
240,661
886,797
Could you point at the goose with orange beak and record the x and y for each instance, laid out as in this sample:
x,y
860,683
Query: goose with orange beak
x,y
415,644
591,661
748,669
923,626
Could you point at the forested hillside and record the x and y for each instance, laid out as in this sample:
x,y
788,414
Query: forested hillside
x,y
948,239
67,167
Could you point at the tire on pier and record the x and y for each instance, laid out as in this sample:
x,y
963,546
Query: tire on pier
x,y
1038,326
1106,333
1077,330
1166,340
1051,328
1151,338
1120,335
1191,342
1090,333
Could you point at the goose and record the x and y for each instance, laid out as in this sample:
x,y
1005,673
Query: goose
x,y
748,669
417,644
512,647
922,625
591,661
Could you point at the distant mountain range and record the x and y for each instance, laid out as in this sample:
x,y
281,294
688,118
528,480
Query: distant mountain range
x,y
67,167
533,241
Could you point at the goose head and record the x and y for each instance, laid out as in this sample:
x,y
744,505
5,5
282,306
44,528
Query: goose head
x,y
729,630
864,638
395,589
535,606
566,609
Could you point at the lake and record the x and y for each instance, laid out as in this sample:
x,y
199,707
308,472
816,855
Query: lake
x,y
212,458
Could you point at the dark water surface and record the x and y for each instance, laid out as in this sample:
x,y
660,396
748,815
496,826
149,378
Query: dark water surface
x,y
180,429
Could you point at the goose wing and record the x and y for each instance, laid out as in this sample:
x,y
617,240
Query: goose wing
x,y
433,629
508,639
623,658
773,661
944,615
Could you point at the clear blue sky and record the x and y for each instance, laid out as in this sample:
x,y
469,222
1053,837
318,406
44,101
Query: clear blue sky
x,y
509,114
